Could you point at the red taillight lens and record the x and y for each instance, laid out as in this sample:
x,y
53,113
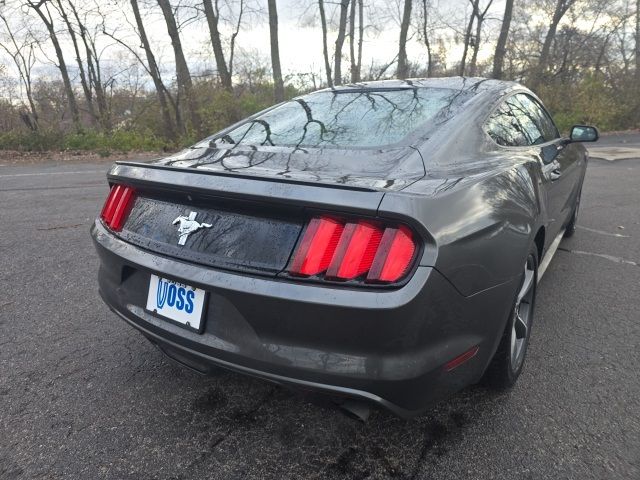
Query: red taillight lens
x,y
110,204
117,206
347,250
317,247
393,258
355,252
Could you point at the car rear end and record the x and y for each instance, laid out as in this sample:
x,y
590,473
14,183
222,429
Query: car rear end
x,y
289,248
259,305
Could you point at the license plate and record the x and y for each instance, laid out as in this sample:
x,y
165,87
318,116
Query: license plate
x,y
177,302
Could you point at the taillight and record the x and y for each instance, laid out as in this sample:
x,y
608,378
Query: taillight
x,y
117,206
364,250
355,252
317,247
393,255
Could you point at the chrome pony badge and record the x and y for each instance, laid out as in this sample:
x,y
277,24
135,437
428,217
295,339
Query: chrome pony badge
x,y
188,225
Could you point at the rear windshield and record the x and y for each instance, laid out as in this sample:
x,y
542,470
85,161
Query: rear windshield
x,y
362,118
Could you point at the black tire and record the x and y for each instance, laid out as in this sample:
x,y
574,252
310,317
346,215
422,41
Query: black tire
x,y
571,226
505,367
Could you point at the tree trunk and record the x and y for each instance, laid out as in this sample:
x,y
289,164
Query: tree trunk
x,y
352,43
561,8
88,94
546,48
342,27
360,36
476,47
93,71
638,42
325,50
467,37
501,46
278,85
216,43
29,92
154,72
356,60
183,76
24,64
403,66
425,38
62,65
478,39
232,42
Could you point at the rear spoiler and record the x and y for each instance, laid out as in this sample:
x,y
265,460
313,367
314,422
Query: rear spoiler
x,y
249,177
345,198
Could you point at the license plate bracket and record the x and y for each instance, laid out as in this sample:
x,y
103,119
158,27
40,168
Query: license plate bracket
x,y
177,302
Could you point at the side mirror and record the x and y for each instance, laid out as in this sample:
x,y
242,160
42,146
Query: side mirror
x,y
584,133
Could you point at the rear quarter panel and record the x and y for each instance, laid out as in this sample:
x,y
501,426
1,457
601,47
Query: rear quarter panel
x,y
481,223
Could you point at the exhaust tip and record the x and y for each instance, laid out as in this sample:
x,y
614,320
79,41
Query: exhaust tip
x,y
355,409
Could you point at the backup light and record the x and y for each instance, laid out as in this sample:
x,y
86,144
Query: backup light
x,y
117,206
342,250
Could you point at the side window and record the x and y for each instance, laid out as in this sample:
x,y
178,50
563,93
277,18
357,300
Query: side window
x,y
504,128
536,124
520,121
550,130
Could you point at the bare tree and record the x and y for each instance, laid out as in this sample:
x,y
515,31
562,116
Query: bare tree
x,y
88,93
93,68
356,61
501,46
278,85
325,49
637,46
42,9
561,8
403,65
212,13
468,38
342,27
477,17
22,52
234,36
591,54
480,17
164,98
424,24
183,76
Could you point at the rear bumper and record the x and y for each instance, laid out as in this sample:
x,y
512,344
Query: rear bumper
x,y
385,346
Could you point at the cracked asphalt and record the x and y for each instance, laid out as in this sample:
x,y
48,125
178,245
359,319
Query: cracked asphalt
x,y
82,395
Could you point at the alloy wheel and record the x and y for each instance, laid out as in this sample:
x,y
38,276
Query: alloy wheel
x,y
523,315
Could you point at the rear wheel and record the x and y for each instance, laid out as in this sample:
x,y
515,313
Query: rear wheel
x,y
508,361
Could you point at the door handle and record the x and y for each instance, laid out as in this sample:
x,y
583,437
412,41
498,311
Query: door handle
x,y
555,174
554,170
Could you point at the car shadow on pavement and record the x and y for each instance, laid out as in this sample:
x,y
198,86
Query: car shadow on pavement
x,y
309,433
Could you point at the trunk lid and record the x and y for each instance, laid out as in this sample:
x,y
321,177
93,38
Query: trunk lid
x,y
228,235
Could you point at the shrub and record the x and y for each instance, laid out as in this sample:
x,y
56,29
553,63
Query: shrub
x,y
119,140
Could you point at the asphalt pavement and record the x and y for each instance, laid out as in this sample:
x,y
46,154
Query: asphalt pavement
x,y
82,395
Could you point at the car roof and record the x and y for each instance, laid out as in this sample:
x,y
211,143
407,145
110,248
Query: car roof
x,y
457,83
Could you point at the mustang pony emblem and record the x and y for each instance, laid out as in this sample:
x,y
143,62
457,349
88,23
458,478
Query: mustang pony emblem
x,y
187,226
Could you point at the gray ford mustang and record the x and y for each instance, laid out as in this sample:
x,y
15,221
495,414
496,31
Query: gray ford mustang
x,y
379,241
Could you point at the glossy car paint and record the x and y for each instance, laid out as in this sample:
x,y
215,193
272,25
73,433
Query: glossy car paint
x,y
476,206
